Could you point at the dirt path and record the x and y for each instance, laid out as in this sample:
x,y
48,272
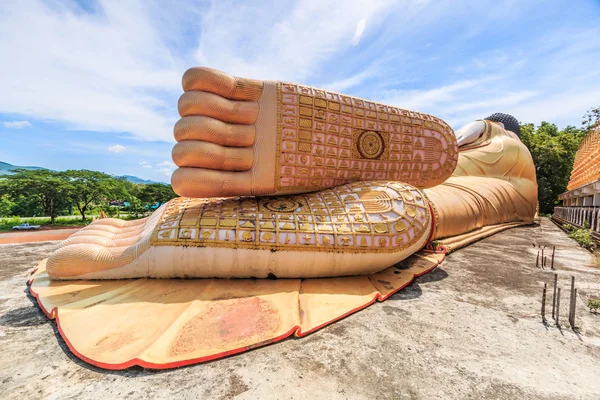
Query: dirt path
x,y
36,236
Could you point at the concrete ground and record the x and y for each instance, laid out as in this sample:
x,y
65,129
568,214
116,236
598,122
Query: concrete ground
x,y
470,329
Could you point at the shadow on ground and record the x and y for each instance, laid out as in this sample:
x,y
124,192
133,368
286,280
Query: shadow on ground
x,y
413,290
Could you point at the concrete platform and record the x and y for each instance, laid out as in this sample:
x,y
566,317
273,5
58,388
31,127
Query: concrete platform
x,y
470,329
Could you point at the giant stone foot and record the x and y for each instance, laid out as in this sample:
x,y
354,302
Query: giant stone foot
x,y
352,229
242,137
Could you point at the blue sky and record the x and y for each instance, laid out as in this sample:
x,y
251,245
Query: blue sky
x,y
94,84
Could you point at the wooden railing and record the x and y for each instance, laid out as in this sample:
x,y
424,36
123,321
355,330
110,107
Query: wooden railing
x,y
578,216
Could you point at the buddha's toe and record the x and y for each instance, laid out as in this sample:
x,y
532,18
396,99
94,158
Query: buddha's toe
x,y
102,240
103,245
82,258
217,129
110,223
201,182
106,234
225,85
214,106
214,131
108,231
200,154
218,150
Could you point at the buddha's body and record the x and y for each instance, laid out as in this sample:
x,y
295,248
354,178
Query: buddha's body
x,y
366,215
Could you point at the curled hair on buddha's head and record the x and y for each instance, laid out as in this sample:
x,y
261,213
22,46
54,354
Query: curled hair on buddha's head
x,y
510,123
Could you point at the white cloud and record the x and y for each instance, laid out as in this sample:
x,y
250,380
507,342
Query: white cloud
x,y
108,71
544,78
352,81
347,83
420,100
17,124
118,68
281,40
562,108
166,167
143,162
117,148
360,29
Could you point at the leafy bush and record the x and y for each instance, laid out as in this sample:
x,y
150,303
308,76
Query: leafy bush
x,y
593,305
586,225
583,237
567,227
12,221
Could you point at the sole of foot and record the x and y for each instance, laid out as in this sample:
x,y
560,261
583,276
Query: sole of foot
x,y
240,137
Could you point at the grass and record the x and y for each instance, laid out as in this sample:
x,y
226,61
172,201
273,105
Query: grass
x,y
6,224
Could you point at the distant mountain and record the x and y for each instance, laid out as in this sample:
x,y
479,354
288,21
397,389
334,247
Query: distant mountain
x,y
8,169
135,179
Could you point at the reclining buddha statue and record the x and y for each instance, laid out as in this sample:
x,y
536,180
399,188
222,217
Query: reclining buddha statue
x,y
285,180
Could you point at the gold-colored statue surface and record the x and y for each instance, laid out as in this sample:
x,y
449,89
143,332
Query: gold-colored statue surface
x,y
494,183
240,137
326,139
357,217
353,187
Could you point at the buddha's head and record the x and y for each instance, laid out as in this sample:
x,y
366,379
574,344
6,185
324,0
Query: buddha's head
x,y
475,132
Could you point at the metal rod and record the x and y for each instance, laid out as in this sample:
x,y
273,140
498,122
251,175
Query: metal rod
x,y
552,262
558,308
544,303
537,260
554,295
544,263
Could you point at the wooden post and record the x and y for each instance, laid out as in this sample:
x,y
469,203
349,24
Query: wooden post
x,y
557,319
554,295
552,262
574,305
571,301
544,303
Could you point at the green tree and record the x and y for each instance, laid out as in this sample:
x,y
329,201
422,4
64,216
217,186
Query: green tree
x,y
50,188
26,206
591,119
92,187
553,153
153,193
6,206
